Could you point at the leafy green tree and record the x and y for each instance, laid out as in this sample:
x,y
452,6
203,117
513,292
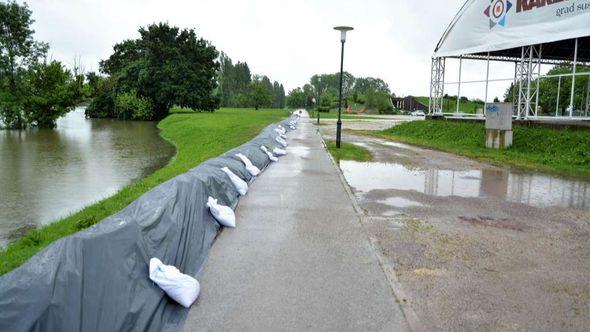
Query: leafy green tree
x,y
104,102
260,94
18,51
168,66
296,98
51,94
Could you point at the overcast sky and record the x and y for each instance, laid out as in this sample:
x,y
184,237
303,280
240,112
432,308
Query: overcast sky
x,y
288,41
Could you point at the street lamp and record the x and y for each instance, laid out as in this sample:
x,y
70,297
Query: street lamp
x,y
343,31
319,96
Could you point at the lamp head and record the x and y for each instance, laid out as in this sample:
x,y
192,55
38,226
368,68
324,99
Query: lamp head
x,y
343,30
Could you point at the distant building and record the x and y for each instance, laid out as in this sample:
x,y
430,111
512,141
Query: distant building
x,y
408,103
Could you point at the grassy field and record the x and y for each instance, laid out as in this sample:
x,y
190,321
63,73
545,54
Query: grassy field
x,y
349,151
565,152
450,105
197,138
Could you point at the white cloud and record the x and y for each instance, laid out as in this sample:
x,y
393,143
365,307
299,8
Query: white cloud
x,y
287,40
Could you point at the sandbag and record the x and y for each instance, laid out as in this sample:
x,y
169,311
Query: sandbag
x,y
223,214
253,170
269,154
281,141
182,288
240,185
279,152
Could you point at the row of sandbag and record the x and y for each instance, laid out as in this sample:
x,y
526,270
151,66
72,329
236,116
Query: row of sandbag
x,y
183,288
98,280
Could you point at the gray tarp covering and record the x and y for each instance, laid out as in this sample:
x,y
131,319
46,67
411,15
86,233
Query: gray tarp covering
x,y
97,279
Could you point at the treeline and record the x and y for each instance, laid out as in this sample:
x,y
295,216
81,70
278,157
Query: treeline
x,y
238,88
363,92
34,91
144,78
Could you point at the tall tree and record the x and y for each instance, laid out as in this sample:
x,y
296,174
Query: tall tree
x,y
168,66
260,94
52,93
18,51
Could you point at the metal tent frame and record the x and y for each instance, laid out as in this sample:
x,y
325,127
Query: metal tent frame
x,y
526,80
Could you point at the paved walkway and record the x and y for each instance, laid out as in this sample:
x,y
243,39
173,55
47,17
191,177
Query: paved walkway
x,y
299,259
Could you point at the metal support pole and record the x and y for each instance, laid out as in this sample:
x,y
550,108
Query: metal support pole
x,y
558,96
539,55
587,97
459,88
339,123
528,86
574,79
485,102
520,81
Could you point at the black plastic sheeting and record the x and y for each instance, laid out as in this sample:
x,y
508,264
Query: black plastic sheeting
x,y
97,279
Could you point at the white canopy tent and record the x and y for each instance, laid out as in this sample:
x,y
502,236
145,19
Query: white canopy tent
x,y
526,32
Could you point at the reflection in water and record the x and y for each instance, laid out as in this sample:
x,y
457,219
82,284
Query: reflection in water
x,y
46,174
533,189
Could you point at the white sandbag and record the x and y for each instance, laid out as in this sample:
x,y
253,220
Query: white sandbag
x,y
240,185
279,152
269,154
253,170
224,214
280,132
281,141
182,288
292,127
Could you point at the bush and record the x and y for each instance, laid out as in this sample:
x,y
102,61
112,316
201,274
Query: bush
x,y
131,106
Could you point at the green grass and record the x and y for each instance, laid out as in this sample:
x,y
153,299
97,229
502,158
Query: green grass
x,y
349,151
565,151
197,138
450,105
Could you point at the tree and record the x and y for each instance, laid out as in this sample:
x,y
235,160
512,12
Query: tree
x,y
260,95
296,98
51,94
168,66
18,51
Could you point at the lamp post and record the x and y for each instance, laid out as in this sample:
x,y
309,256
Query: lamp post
x,y
343,31
319,96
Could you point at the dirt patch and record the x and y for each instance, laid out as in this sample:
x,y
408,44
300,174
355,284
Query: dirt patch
x,y
477,247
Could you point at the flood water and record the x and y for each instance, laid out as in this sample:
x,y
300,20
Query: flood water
x,y
534,189
47,174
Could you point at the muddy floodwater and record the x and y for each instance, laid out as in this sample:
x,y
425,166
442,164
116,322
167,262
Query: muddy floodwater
x,y
47,174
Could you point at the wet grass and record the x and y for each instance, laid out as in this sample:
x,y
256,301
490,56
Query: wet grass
x,y
197,138
559,151
349,151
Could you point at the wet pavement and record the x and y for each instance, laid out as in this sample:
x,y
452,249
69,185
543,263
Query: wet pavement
x,y
298,259
475,246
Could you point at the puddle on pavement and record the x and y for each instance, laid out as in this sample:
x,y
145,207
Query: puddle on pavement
x,y
534,189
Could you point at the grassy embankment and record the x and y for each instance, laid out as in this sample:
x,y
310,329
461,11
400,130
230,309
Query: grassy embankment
x,y
450,105
197,138
566,151
349,151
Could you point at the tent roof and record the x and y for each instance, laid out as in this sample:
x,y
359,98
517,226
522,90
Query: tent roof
x,y
502,27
